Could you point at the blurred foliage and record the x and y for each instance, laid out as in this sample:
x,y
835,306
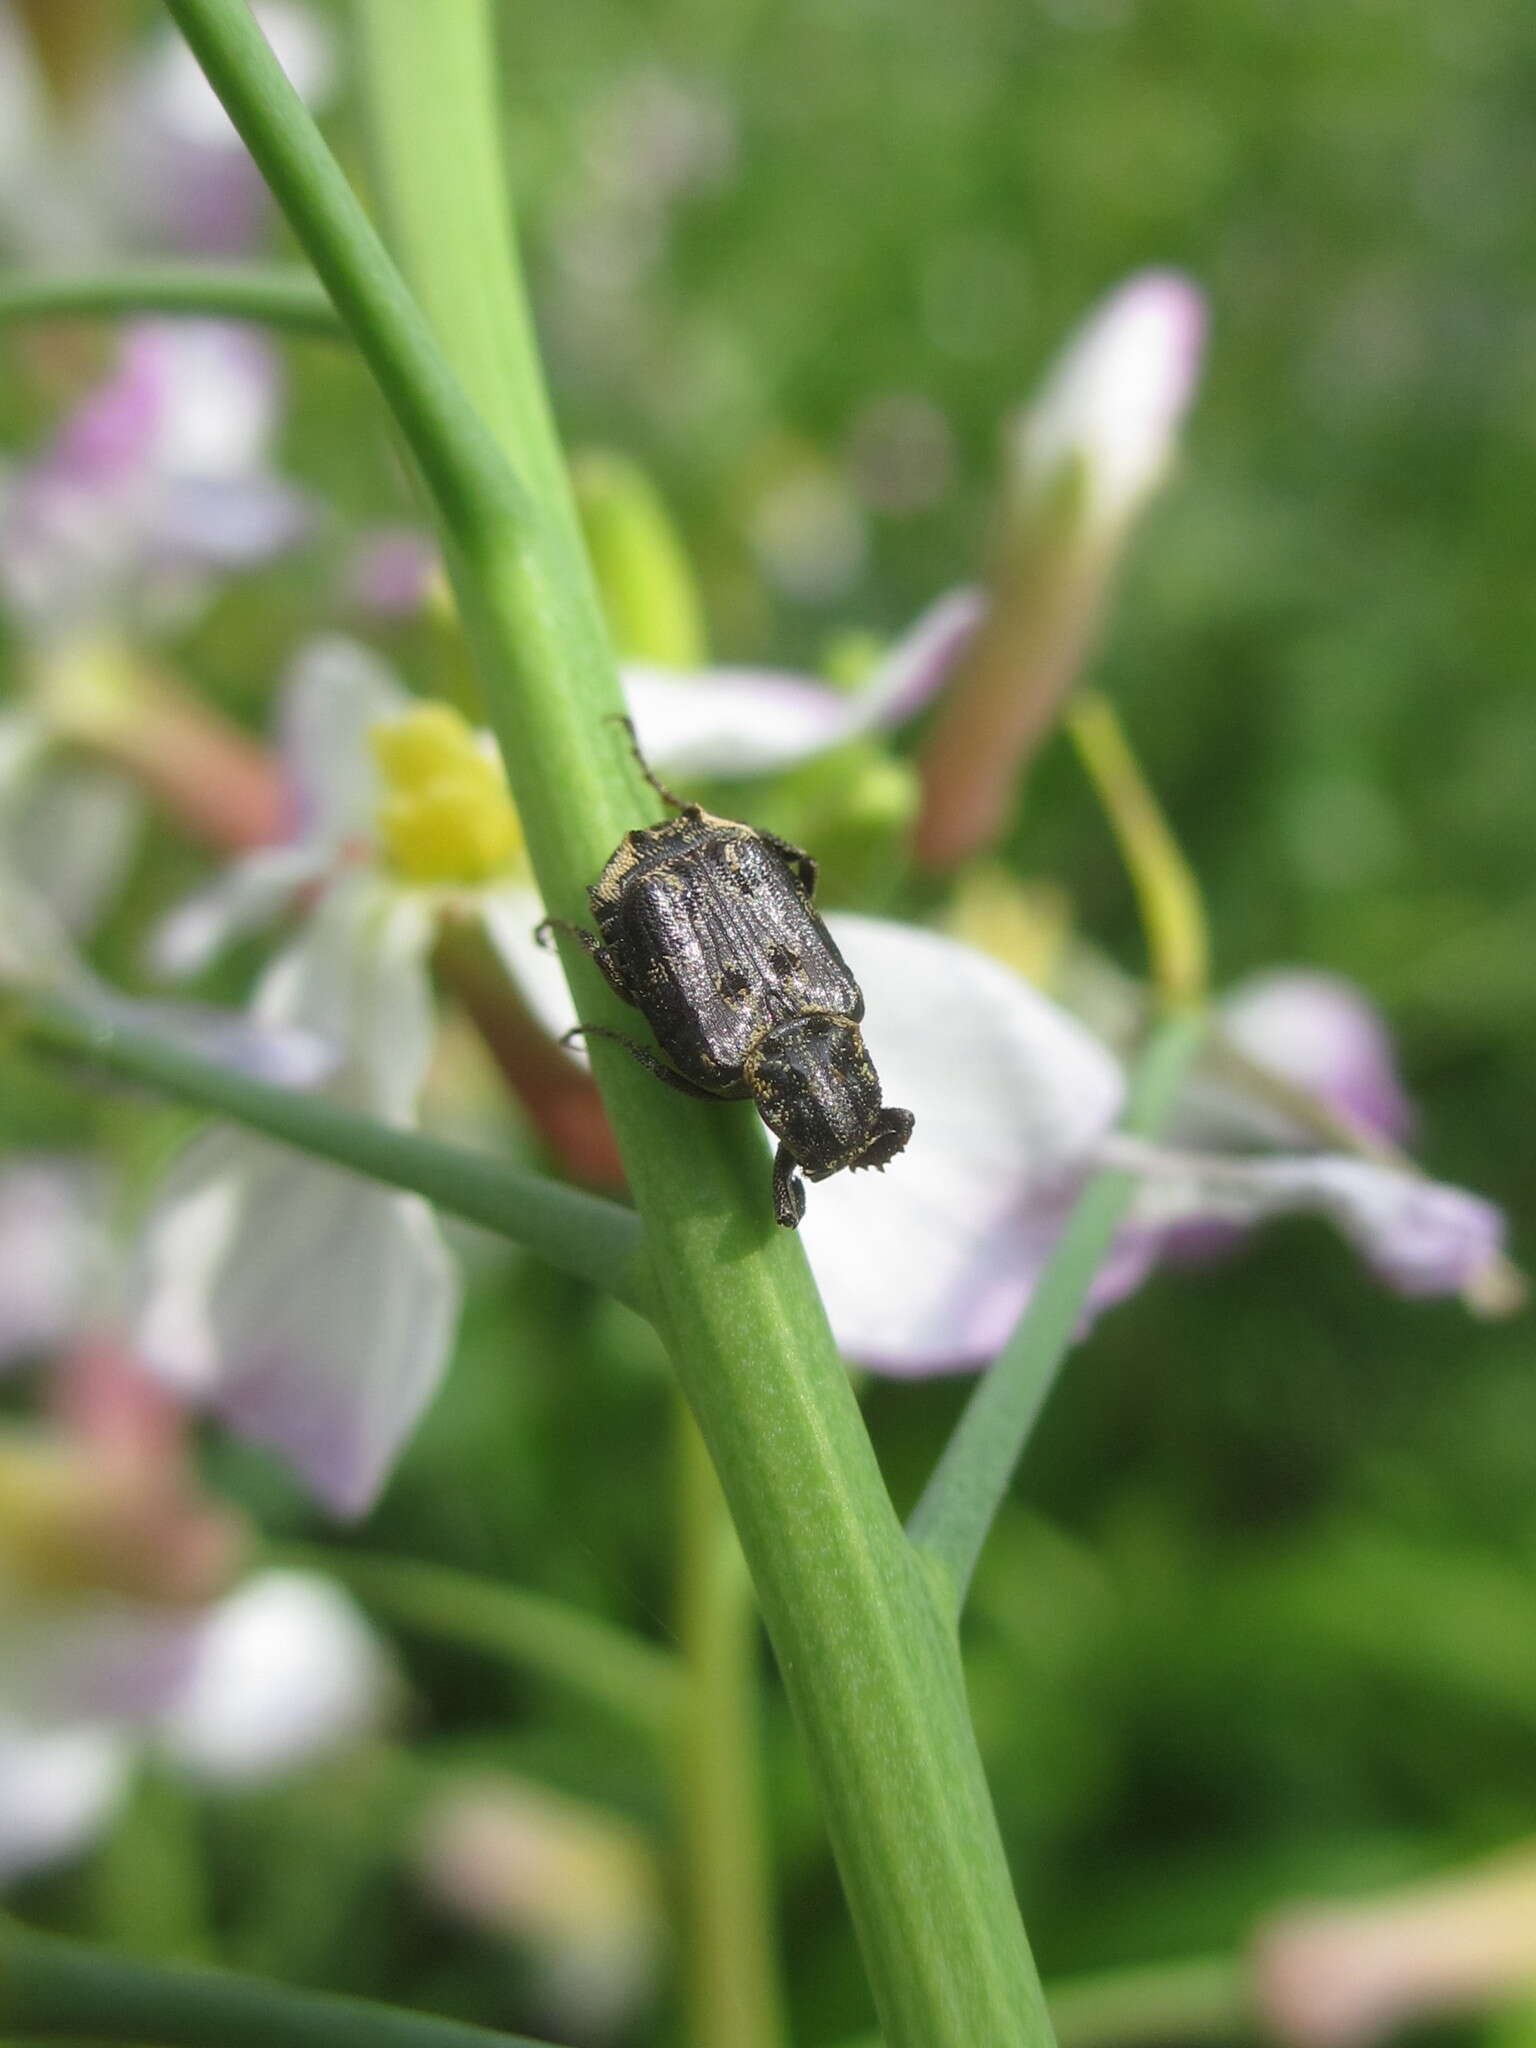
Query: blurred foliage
x,y
1261,1620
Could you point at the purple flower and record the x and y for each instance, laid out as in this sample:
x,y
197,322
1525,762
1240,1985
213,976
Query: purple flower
x,y
158,479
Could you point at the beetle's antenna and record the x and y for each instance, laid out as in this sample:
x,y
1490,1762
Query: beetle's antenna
x,y
667,796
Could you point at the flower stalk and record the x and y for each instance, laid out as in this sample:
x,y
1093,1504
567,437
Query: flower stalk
x,y
869,1660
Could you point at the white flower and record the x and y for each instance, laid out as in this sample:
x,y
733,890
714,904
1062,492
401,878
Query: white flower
x,y
314,1311
282,1670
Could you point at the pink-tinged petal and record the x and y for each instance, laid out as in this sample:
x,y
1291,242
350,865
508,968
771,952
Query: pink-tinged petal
x,y
926,1267
58,1790
227,522
737,721
94,1658
182,173
313,1310
287,1670
1419,1236
334,694
53,1252
1319,1032
1114,399
391,571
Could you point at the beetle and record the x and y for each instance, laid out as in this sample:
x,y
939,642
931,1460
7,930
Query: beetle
x,y
708,927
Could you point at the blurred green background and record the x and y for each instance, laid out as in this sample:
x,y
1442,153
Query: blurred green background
x,y
1262,1620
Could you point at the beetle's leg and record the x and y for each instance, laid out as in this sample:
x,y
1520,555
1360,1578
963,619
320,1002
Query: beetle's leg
x,y
800,864
648,1060
788,1190
541,934
667,796
593,948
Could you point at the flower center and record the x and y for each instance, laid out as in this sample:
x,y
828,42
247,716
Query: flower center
x,y
445,815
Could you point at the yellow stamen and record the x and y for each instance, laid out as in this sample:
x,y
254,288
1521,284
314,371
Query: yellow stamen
x,y
445,816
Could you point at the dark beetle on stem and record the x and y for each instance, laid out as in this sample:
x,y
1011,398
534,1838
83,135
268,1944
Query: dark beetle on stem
x,y
708,928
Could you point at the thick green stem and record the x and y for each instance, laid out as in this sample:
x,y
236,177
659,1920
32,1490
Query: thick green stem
x,y
869,1659
278,298
52,1989
580,1234
972,1478
729,1968
528,1631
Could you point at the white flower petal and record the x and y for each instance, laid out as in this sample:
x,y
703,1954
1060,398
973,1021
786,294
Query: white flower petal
x,y
250,893
511,915
287,1669
312,1309
335,691
57,1792
1419,1236
53,1252
926,1267
356,979
175,95
71,836
740,721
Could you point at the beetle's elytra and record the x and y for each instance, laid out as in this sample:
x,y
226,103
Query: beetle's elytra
x,y
708,928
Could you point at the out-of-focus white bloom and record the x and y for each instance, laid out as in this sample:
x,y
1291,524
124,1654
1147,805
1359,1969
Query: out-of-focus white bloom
x,y
121,1626
152,159
575,1887
1340,1976
282,1671
53,1251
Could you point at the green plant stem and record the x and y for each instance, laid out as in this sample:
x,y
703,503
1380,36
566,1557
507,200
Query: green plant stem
x,y
869,1659
975,1471
530,1632
449,219
1148,2005
284,298
51,1988
580,1234
729,1967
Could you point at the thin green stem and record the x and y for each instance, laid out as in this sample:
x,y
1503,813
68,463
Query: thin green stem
x,y
276,297
729,1967
869,1659
52,1988
580,1234
530,1632
1172,911
975,1471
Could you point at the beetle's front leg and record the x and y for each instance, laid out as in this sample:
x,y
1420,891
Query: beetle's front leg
x,y
595,950
788,1190
647,1059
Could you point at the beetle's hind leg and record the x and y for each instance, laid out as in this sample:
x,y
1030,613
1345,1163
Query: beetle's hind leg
x,y
788,1190
668,797
647,1059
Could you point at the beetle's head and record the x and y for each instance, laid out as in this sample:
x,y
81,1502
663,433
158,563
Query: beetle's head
x,y
816,1088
